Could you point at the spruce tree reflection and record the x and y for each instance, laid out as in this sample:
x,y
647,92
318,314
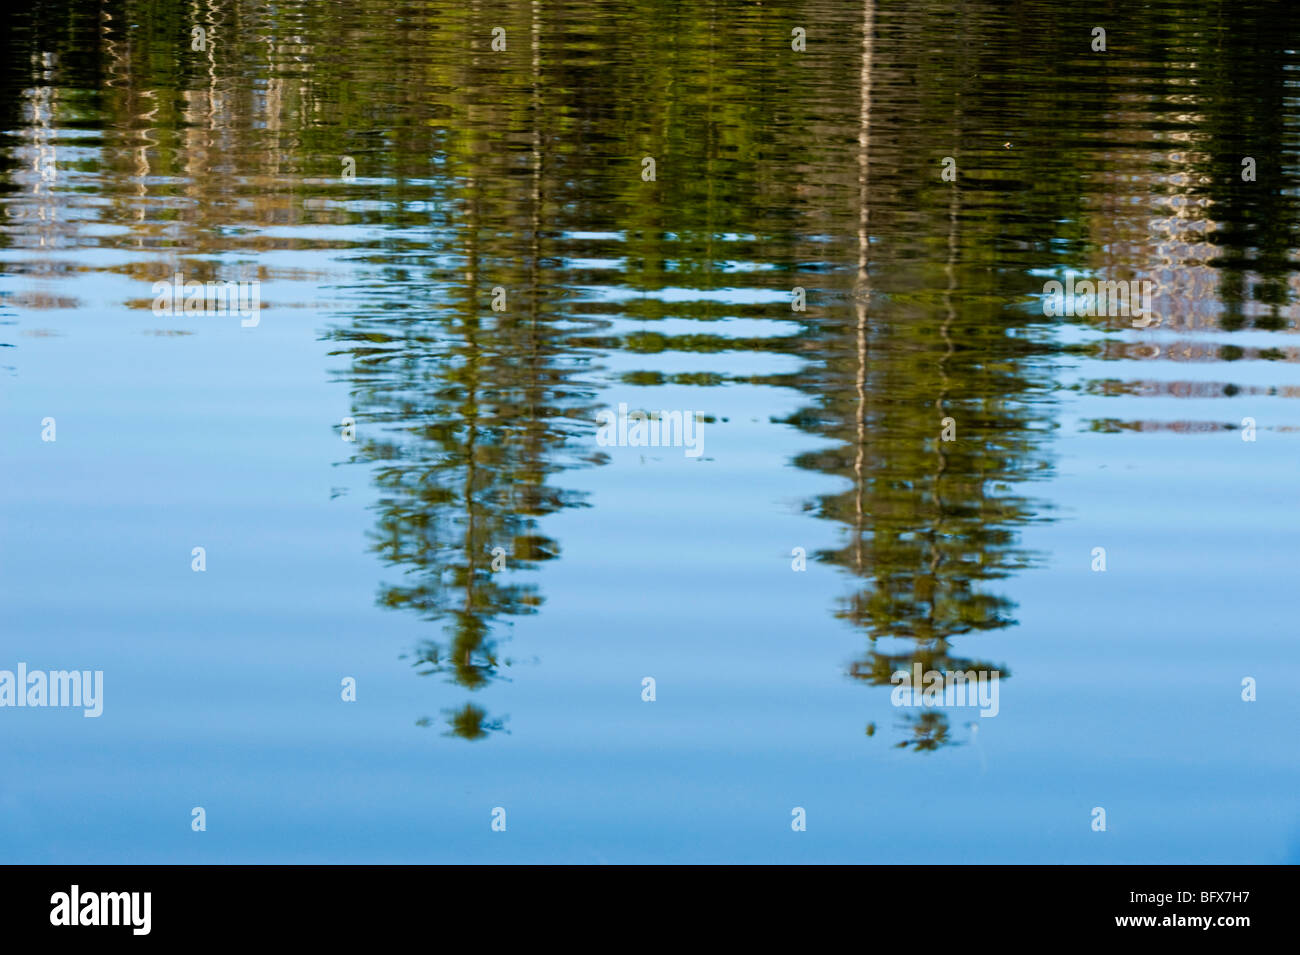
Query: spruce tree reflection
x,y
470,413
928,523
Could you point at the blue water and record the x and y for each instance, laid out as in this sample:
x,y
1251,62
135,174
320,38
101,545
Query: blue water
x,y
222,689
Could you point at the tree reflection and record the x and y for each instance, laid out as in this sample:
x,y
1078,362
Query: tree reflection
x,y
521,172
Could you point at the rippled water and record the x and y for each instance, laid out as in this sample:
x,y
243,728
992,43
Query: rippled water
x,y
397,483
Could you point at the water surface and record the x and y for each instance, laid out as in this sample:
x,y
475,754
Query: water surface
x,y
380,170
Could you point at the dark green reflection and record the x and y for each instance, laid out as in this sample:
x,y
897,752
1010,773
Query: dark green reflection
x,y
521,170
